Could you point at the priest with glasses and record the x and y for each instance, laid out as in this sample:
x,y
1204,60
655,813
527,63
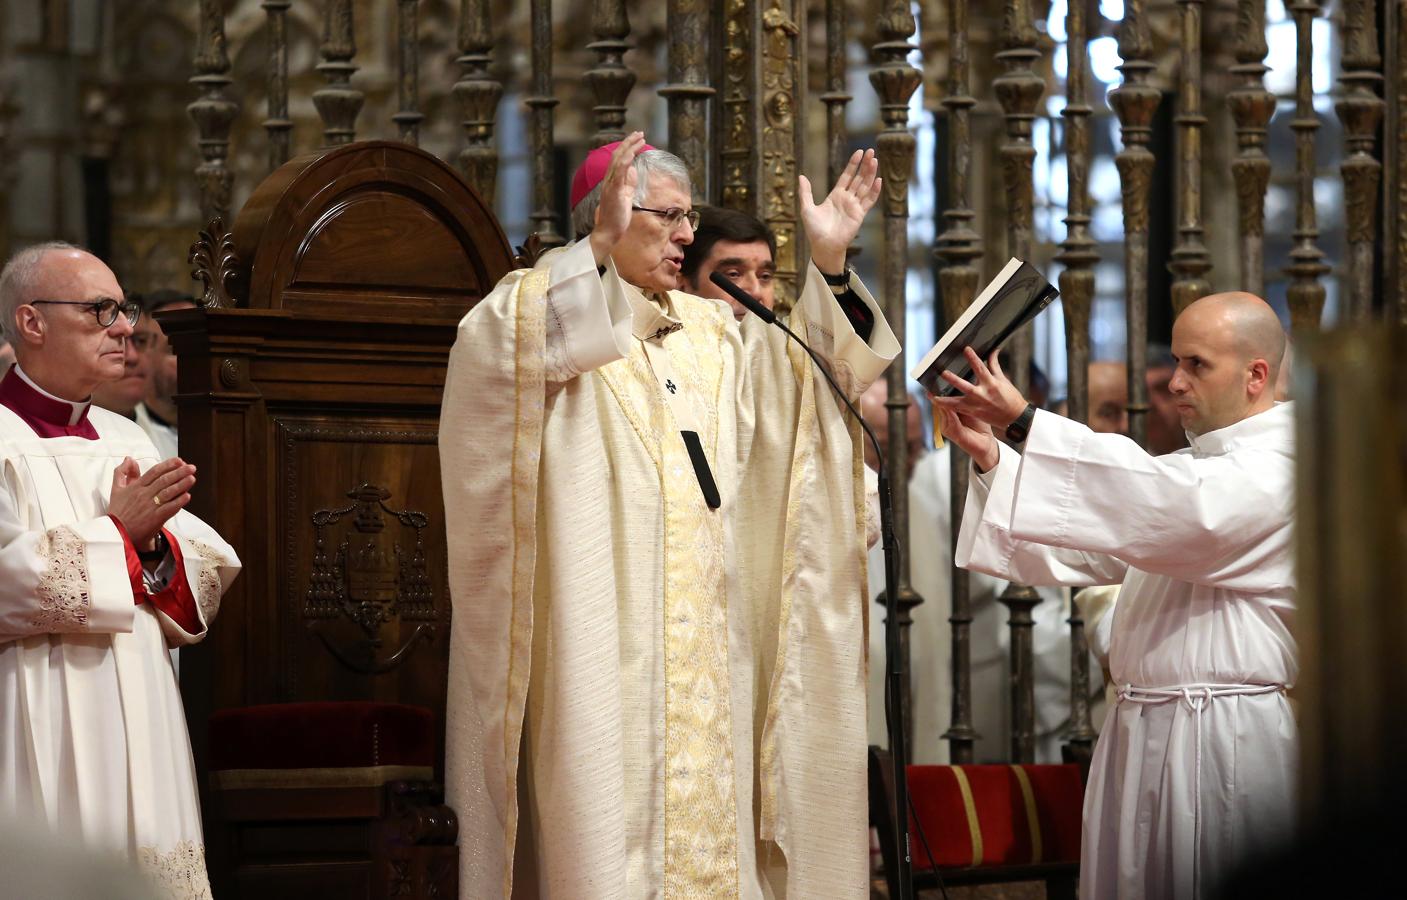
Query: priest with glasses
x,y
101,571
656,530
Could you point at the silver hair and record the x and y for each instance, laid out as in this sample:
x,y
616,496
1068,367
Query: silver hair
x,y
659,162
19,281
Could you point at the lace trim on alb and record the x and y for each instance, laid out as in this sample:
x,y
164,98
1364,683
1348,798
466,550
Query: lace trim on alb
x,y
63,591
208,586
179,872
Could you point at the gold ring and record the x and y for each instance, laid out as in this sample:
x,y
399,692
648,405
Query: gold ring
x,y
156,498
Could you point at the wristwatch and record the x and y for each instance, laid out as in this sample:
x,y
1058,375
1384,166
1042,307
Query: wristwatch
x,y
838,283
1016,432
159,550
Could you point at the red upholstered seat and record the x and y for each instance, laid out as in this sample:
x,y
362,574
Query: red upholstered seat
x,y
346,744
996,815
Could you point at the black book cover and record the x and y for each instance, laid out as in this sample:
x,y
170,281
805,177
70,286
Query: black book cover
x,y
1008,301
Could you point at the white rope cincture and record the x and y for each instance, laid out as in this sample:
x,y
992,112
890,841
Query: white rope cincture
x,y
1197,697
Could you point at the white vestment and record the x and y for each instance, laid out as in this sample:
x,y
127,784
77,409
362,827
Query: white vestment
x,y
930,640
93,741
687,682
1194,770
163,434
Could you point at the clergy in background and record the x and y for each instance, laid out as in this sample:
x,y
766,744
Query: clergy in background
x,y
740,246
1195,768
101,570
657,561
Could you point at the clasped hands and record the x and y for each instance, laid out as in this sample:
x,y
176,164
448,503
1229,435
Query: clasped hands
x,y
831,225
990,399
144,501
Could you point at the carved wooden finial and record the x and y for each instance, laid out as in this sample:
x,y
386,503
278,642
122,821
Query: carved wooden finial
x,y
216,265
526,255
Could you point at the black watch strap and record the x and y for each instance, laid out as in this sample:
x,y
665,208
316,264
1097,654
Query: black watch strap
x,y
158,552
1016,432
837,281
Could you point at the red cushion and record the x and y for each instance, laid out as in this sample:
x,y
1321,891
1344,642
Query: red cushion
x,y
322,735
996,805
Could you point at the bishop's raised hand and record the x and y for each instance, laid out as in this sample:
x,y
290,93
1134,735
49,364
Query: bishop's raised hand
x,y
832,224
617,197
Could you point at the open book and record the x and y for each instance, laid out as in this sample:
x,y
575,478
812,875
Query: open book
x,y
1009,301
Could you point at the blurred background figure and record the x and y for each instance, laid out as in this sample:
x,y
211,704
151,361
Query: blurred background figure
x,y
1109,397
156,412
123,395
1165,433
740,247
1109,400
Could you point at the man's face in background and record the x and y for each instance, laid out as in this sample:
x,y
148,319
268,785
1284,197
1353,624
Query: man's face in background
x,y
749,266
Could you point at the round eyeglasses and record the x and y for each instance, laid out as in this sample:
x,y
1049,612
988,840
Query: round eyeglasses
x,y
104,309
673,216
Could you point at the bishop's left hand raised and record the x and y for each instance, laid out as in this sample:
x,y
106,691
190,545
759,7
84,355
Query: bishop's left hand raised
x,y
831,225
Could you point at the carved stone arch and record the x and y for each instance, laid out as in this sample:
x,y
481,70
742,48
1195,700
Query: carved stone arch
x,y
351,229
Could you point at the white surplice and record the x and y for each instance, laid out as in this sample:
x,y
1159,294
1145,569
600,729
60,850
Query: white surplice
x,y
685,686
929,552
162,433
93,741
1194,770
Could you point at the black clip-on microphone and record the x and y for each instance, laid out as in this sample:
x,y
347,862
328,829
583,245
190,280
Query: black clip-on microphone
x,y
893,660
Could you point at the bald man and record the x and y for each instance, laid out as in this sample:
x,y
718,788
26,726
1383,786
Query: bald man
x,y
101,570
1194,771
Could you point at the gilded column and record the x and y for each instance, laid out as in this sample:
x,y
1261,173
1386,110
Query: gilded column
x,y
836,97
610,81
278,125
408,117
1190,261
736,134
541,103
1018,90
1361,110
1077,257
1307,266
1135,101
1251,106
895,81
478,93
783,90
339,102
959,246
688,93
213,112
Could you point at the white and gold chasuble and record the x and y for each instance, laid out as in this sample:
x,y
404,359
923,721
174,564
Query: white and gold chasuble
x,y
93,742
649,697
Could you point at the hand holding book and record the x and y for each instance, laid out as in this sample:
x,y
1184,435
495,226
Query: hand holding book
x,y
990,400
1009,301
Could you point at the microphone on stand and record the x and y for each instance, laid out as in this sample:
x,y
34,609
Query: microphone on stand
x,y
894,672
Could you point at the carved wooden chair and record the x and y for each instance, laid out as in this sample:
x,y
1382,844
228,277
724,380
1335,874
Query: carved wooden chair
x,y
309,393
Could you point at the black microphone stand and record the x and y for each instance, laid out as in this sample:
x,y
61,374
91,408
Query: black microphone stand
x,y
894,665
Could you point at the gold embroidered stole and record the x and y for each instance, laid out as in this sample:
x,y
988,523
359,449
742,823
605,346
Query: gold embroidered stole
x,y
700,789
